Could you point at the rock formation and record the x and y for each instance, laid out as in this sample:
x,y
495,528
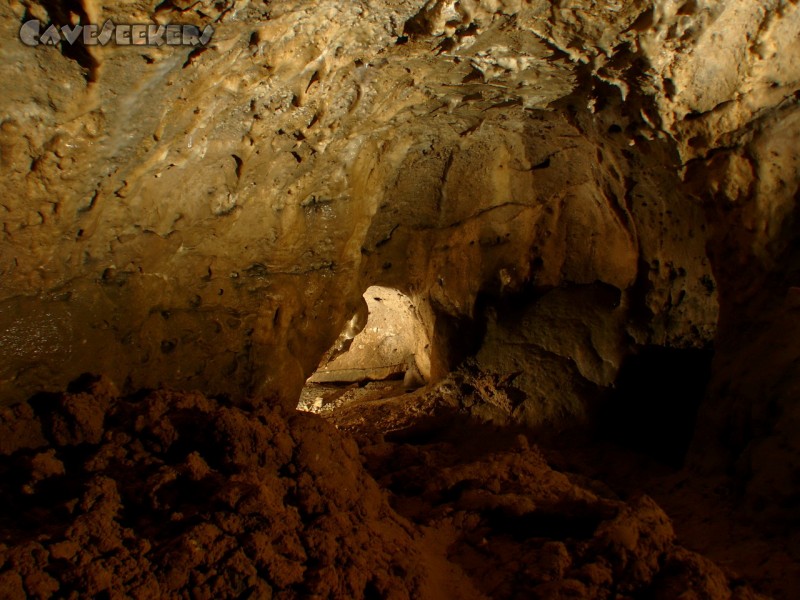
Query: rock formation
x,y
567,192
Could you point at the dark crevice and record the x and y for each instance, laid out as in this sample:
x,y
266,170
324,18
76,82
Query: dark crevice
x,y
192,57
59,13
544,524
239,164
653,408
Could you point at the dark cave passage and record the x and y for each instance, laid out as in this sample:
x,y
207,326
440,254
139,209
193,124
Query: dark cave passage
x,y
653,406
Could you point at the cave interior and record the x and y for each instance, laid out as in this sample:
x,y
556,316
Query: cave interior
x,y
412,299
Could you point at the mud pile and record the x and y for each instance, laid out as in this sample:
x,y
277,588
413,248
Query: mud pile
x,y
175,495
519,529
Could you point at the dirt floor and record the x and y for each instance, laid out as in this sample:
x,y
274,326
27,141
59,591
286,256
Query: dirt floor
x,y
706,513
175,495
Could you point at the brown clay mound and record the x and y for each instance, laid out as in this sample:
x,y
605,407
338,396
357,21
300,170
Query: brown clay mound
x,y
175,495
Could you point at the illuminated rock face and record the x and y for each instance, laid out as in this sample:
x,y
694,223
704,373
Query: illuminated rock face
x,y
385,339
209,218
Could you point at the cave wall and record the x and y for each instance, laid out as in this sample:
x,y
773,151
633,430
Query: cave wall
x,y
626,173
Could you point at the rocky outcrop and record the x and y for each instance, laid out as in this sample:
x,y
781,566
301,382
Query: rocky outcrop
x,y
208,218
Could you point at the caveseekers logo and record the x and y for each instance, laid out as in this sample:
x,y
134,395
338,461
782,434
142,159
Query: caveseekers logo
x,y
32,33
